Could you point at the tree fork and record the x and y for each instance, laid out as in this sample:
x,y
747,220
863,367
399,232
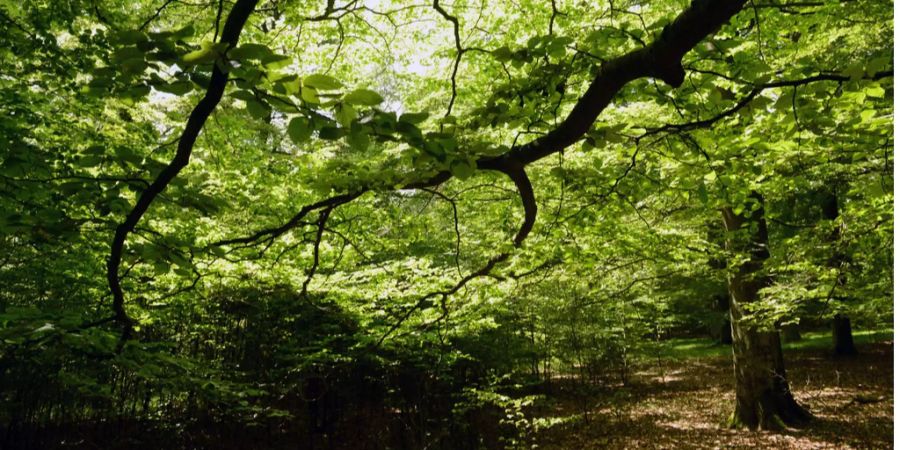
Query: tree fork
x,y
661,59
230,34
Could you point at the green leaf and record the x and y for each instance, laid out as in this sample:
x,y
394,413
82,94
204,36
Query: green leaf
x,y
446,141
322,82
176,88
875,91
299,130
345,114
137,92
128,37
309,95
204,55
363,97
244,95
183,32
867,115
330,133
358,140
876,64
291,85
258,109
200,79
411,132
855,71
784,102
462,169
126,53
133,66
250,51
502,54
89,161
413,118
129,156
277,62
100,82
557,47
207,53
435,150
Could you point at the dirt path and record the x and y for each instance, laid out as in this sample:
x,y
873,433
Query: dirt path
x,y
852,400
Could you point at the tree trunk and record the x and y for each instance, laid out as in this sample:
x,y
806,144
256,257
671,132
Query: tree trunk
x,y
841,331
790,332
722,306
725,337
763,397
842,336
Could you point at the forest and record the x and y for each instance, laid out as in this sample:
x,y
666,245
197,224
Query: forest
x,y
446,224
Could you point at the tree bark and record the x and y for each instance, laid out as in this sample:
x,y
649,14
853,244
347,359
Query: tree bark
x,y
841,329
842,336
725,336
722,307
790,333
763,397
234,23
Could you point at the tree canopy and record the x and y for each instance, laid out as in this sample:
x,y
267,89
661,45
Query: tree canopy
x,y
259,212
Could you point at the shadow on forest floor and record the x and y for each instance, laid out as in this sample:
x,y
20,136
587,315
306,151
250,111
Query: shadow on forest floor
x,y
684,406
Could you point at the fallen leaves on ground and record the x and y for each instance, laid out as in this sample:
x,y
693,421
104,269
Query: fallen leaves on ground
x,y
683,405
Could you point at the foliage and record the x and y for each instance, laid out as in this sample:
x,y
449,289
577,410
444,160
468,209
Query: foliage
x,y
405,223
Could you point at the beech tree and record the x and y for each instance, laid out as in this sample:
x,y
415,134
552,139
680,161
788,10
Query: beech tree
x,y
764,398
384,190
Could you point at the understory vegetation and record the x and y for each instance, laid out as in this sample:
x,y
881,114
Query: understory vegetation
x,y
372,224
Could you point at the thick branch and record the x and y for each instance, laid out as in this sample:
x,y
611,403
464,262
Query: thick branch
x,y
660,59
526,192
230,34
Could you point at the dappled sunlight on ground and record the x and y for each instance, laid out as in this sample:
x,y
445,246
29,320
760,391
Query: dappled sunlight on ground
x,y
851,398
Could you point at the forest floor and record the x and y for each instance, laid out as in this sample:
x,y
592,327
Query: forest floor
x,y
684,402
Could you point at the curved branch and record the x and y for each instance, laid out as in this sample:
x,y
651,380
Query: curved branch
x,y
330,8
459,52
758,89
455,221
323,219
526,192
156,14
230,34
482,272
269,234
660,59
